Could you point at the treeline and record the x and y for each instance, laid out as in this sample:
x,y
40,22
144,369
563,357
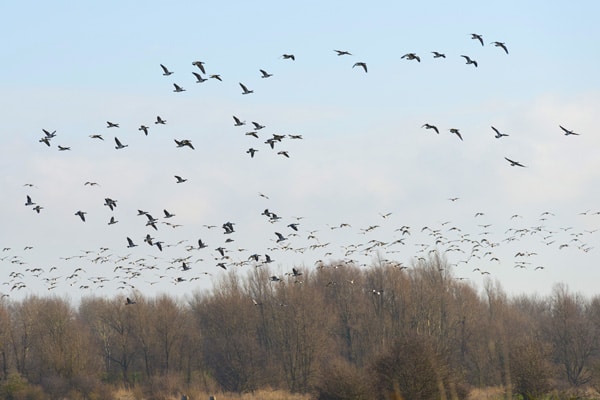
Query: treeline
x,y
337,332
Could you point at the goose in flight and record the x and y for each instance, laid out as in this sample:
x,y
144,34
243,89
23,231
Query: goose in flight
x,y
129,302
469,61
258,126
160,121
199,78
29,202
110,203
498,134
501,45
48,134
476,36
245,89
119,144
81,215
97,137
429,126
144,129
295,272
184,142
411,56
112,221
111,124
251,151
456,132
264,74
567,131
361,64
178,89
238,122
437,54
63,148
45,140
130,243
200,65
514,163
280,237
343,53
37,208
180,179
288,57
166,71
216,76
168,214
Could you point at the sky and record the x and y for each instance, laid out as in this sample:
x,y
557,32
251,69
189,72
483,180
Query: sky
x,y
364,180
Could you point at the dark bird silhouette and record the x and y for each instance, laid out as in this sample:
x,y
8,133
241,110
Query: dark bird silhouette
x,y
166,71
438,54
178,88
96,137
343,53
429,126
288,57
476,36
251,151
129,302
456,132
144,129
29,202
160,121
469,61
130,243
264,74
411,56
361,64
111,124
498,134
238,122
567,131
180,179
81,215
199,78
501,45
200,65
514,163
184,142
245,89
119,144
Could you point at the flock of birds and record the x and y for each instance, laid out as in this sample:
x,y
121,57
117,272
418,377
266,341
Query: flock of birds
x,y
290,234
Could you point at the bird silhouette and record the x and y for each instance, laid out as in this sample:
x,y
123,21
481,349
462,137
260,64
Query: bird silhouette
x,y
498,134
567,131
245,89
469,61
166,71
264,74
361,64
476,36
119,144
501,45
514,163
429,126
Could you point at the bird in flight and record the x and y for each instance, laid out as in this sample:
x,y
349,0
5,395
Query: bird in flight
x,y
81,215
144,129
343,53
437,54
469,61
130,243
361,64
238,122
111,124
178,89
97,137
411,56
265,74
501,45
129,302
251,151
29,202
199,78
245,89
160,121
288,57
429,126
180,179
184,142
567,131
456,132
119,144
166,71
476,36
514,163
200,64
498,134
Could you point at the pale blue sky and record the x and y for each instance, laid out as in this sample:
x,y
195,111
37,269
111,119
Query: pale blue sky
x,y
72,67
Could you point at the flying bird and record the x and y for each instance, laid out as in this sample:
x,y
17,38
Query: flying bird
x,y
456,132
264,74
438,54
514,163
361,64
29,202
245,89
498,134
178,88
129,302
288,57
469,61
567,131
343,53
258,126
184,142
200,64
160,121
119,144
501,45
411,56
144,129
180,179
251,151
130,243
476,36
111,124
97,137
216,76
429,126
166,71
238,122
199,78
81,215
